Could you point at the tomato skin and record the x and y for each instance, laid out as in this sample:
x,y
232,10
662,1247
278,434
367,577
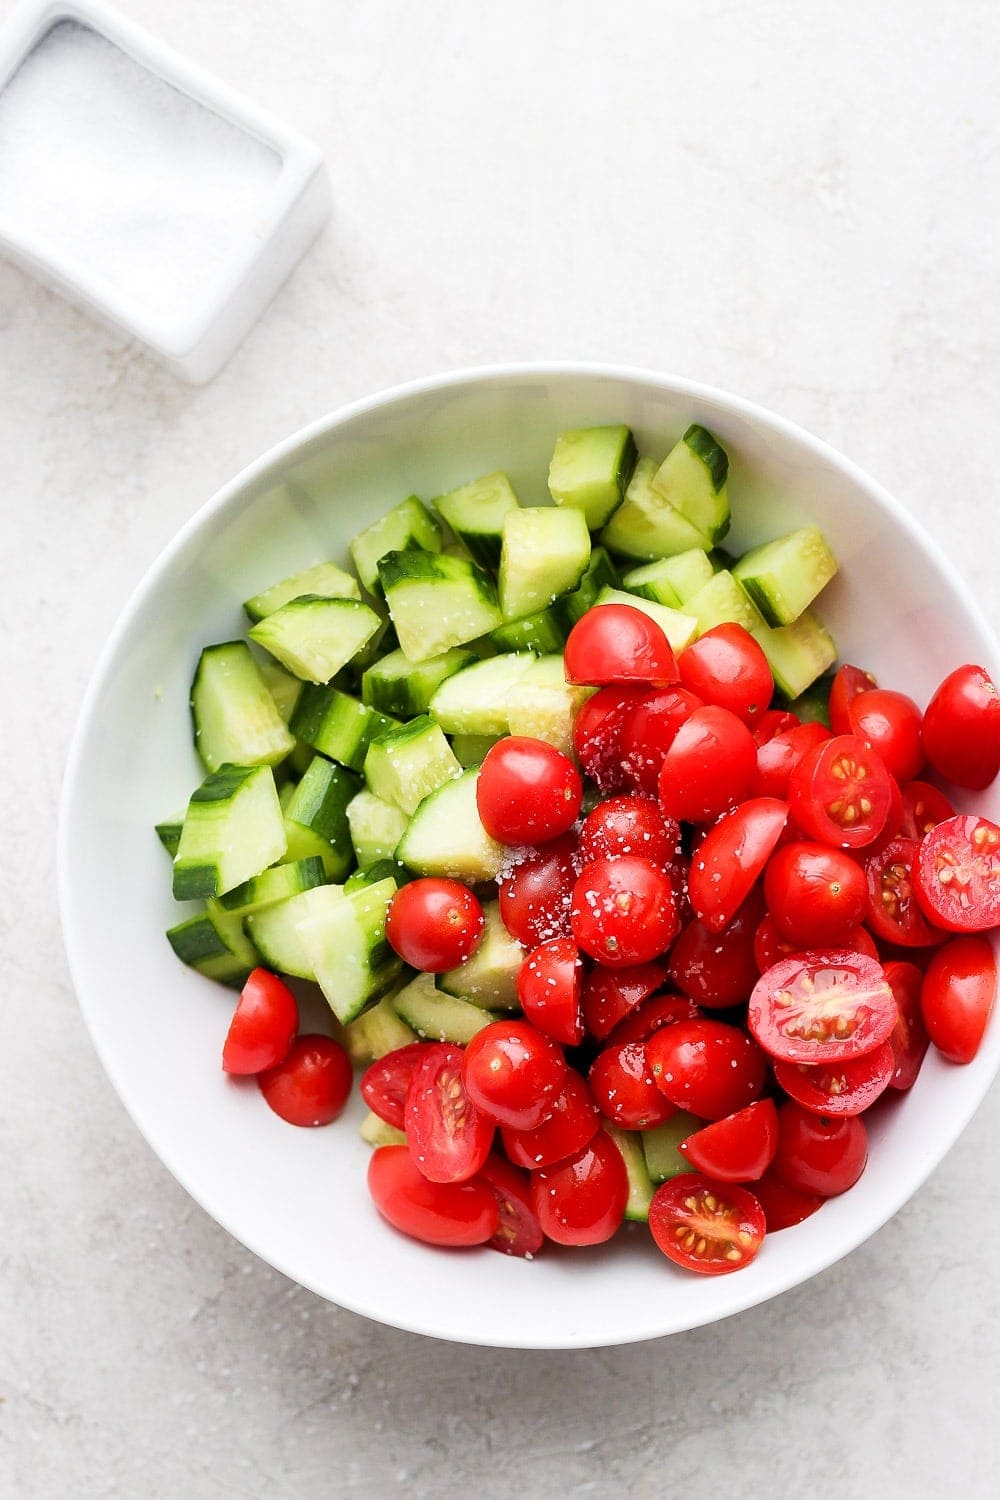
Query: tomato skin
x,y
924,807
597,731
650,727
536,893
433,924
774,721
727,862
311,1085
659,1010
770,947
961,731
721,1233
791,1003
814,893
263,1027
718,969
447,1136
893,908
957,996
572,1121
783,1206
818,1155
908,1039
609,995
727,667
628,825
527,791
615,643
778,757
840,793
436,1213
738,1148
623,911
958,874
707,1067
581,1201
847,684
512,1072
518,1232
709,767
549,985
385,1081
889,723
623,1087
841,1088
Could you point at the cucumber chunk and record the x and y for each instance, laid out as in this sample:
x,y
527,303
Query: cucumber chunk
x,y
169,833
273,885
659,1146
232,830
376,828
679,627
283,687
214,943
721,601
474,701
382,869
640,1184
344,940
599,573
377,1031
404,766
692,478
339,726
409,524
236,721
783,577
542,632
488,978
325,579
471,749
671,580
437,1016
404,689
646,525
316,816
475,514
372,1130
797,654
545,553
813,706
437,602
543,705
274,931
315,637
446,836
590,470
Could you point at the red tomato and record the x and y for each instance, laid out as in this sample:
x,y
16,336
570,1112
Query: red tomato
x,y
447,1135
610,994
770,947
312,1084
962,728
727,667
623,911
817,1154
782,1206
894,913
815,894
710,1069
958,874
727,862
572,1121
847,684
263,1026
908,1039
840,793
384,1084
659,1010
778,757
772,722
838,1088
957,997
649,729
615,643
433,924
536,892
527,791
739,1148
889,723
629,825
622,1085
924,807
437,1213
706,1226
718,969
582,1201
597,733
549,986
821,1007
709,767
513,1072
518,1232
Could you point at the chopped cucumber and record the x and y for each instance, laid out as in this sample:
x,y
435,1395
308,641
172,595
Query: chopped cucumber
x,y
590,469
408,525
692,478
640,1184
671,580
721,601
545,553
236,721
376,828
783,577
377,1031
315,637
646,525
599,573
382,869
372,1130
169,833
544,706
274,931
488,978
437,1016
813,706
344,940
274,885
405,765
471,749
474,701
400,687
325,579
542,632
437,602
338,725
475,514
446,836
283,687
659,1145
232,830
213,942
316,816
797,654
679,627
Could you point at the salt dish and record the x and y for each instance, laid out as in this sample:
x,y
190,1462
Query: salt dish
x,y
142,189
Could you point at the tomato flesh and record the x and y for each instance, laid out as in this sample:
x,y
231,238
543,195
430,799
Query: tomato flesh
x,y
624,1089
649,728
706,1226
731,857
783,1206
536,890
629,825
894,912
718,969
815,894
385,1081
609,995
709,767
909,1040
436,1213
738,1148
847,684
838,1088
889,723
958,874
821,1007
582,1201
448,1137
518,1231
727,667
572,1120
840,793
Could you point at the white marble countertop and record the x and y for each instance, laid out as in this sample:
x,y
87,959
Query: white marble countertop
x,y
792,200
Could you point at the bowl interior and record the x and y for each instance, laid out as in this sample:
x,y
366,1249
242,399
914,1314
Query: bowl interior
x,y
298,1198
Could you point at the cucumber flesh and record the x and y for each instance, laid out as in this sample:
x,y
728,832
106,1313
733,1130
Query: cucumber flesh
x,y
403,688
783,577
274,931
213,942
474,701
659,1145
406,765
692,479
274,885
376,1132
446,836
345,942
640,1184
590,470
340,726
797,654
437,602
283,687
475,514
315,638
646,525
376,828
437,1016
721,601
488,978
236,721
542,633
471,749
376,1031
671,580
232,830
169,832
325,579
545,553
408,525
543,705
599,573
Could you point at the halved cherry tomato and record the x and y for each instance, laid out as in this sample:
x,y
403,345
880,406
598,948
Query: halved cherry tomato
x,y
739,1148
623,1087
774,721
924,806
629,825
840,793
890,828
615,643
847,684
718,969
434,924
582,1201
518,1232
610,994
385,1082
512,1072
597,735
263,1026
709,767
731,856
447,1135
957,996
549,984
527,791
623,910
657,1011
706,1226
727,667
706,1067
769,947
437,1213
649,729
958,874
815,894
962,728
909,1040
894,912
838,1088
778,757
821,1007
572,1121
817,1154
536,892
889,723
783,1206
311,1085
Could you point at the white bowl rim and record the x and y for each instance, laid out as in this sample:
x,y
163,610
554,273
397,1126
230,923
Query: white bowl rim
x,y
734,1301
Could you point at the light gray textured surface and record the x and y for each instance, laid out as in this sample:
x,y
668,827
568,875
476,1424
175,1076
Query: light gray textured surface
x,y
794,201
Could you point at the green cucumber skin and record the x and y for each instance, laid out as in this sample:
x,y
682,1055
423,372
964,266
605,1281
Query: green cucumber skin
x,y
710,451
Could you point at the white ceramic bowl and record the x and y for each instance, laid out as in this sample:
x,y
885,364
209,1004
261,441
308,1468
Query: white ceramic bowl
x,y
296,1197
